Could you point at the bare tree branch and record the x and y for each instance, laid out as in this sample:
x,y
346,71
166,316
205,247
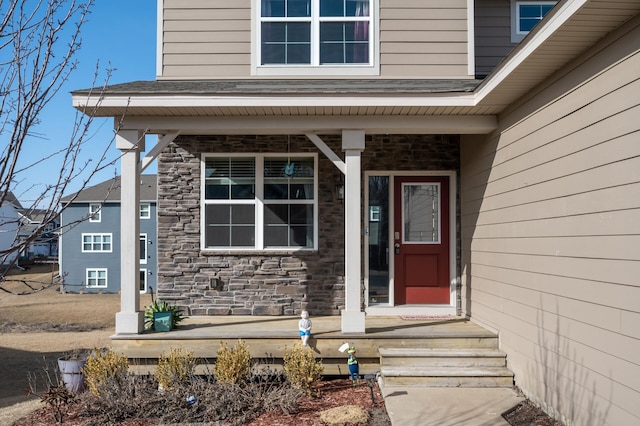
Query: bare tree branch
x,y
39,42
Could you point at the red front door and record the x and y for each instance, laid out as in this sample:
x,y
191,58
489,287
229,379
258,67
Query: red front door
x,y
421,240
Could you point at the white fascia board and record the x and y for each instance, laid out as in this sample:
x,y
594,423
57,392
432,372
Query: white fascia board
x,y
415,124
548,27
177,101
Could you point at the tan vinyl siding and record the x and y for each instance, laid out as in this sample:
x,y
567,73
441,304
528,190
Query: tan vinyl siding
x,y
206,38
551,238
212,39
492,34
423,39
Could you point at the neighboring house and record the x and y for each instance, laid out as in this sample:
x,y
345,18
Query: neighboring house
x,y
90,250
403,157
10,222
45,244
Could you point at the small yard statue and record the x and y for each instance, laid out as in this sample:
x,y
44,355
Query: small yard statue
x,y
352,361
304,325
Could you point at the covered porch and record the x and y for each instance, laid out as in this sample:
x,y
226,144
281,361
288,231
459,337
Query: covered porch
x,y
314,112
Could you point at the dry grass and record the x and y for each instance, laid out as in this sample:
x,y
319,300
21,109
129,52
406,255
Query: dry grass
x,y
346,414
38,328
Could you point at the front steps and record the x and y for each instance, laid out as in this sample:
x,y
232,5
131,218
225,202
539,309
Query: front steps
x,y
445,367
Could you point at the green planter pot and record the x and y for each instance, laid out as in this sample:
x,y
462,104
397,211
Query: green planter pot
x,y
162,321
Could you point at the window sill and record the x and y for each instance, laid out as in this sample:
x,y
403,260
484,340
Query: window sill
x,y
314,71
240,252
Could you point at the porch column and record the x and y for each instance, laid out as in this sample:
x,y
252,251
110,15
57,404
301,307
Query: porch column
x,y
352,315
130,320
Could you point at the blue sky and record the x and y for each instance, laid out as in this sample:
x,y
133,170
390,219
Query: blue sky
x,y
120,34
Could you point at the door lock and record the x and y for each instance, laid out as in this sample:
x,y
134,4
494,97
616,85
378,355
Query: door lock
x,y
397,247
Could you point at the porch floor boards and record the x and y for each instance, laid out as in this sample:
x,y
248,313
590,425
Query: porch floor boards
x,y
268,337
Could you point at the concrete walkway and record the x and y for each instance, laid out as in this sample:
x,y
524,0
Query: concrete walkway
x,y
424,406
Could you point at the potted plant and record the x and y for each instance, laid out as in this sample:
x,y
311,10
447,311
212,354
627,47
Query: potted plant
x,y
161,316
70,366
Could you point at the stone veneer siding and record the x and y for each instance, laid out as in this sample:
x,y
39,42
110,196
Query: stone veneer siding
x,y
268,283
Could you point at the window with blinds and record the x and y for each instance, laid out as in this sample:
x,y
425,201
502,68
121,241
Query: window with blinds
x,y
262,202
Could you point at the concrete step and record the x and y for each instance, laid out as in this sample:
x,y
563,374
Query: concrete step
x,y
438,357
482,377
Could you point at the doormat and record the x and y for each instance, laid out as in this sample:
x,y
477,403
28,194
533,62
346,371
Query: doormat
x,y
427,317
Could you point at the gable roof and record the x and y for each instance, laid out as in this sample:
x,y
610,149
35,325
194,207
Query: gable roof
x,y
109,191
11,198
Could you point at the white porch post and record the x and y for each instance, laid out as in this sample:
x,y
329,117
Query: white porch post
x,y
130,320
352,316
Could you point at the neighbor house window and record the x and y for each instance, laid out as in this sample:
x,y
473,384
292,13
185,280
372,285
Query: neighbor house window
x,y
260,202
97,278
143,248
527,14
315,33
96,243
143,280
145,211
95,212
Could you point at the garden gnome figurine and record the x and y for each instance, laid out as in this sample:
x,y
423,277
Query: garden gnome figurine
x,y
352,361
304,325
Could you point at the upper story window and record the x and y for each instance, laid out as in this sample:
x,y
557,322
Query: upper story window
x,y
527,14
260,202
145,211
329,36
95,212
96,243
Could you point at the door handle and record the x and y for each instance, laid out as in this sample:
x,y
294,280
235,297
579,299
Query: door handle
x,y
397,247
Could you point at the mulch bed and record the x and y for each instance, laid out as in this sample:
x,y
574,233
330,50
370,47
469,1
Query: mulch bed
x,y
332,393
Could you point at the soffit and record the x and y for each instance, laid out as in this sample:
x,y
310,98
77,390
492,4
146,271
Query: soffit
x,y
567,34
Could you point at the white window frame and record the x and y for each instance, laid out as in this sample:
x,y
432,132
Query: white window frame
x,y
145,242
102,243
258,201
145,210
516,34
439,218
98,278
95,212
315,69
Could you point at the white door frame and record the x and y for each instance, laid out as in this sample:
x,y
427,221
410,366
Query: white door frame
x,y
426,310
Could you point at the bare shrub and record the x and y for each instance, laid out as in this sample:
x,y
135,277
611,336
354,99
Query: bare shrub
x,y
58,398
177,367
301,368
105,367
233,365
129,397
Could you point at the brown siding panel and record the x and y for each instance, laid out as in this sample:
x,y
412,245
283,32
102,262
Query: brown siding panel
x,y
418,35
551,237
